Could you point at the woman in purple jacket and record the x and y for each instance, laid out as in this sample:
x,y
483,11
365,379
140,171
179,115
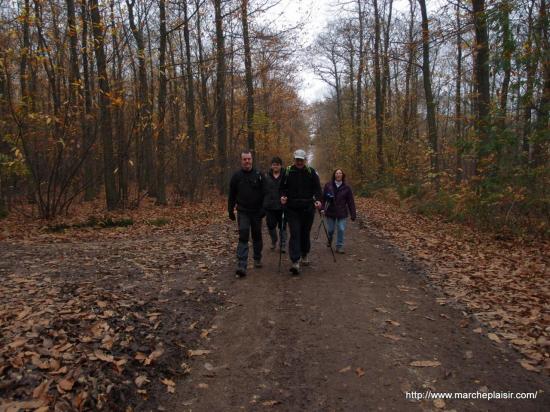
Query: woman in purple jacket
x,y
337,200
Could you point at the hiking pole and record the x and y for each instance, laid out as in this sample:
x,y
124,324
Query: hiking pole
x,y
326,233
329,196
281,238
327,204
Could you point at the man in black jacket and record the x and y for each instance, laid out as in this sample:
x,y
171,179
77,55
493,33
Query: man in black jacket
x,y
300,192
272,204
246,191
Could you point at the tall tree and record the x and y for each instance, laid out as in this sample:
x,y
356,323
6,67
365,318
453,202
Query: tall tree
x,y
542,138
248,78
483,97
505,7
117,91
221,116
531,57
430,103
358,125
203,95
386,87
190,99
145,166
74,73
105,123
458,96
379,101
408,74
86,113
161,130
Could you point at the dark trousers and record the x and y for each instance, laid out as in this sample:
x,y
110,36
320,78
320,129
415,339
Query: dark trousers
x,y
299,222
274,220
249,222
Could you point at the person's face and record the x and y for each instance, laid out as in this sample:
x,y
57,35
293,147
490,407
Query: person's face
x,y
276,167
246,161
299,163
338,175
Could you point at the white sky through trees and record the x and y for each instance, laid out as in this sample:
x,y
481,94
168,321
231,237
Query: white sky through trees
x,y
313,16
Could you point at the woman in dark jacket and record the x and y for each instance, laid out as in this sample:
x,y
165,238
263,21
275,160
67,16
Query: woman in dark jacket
x,y
337,201
272,204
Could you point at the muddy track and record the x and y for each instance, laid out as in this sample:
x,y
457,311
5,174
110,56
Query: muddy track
x,y
342,337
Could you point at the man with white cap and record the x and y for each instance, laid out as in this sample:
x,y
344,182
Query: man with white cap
x,y
300,193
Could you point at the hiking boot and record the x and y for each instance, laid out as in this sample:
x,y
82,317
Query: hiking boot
x,y
295,268
240,272
258,264
305,261
340,250
283,250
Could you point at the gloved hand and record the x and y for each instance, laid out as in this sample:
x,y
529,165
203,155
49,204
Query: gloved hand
x,y
232,215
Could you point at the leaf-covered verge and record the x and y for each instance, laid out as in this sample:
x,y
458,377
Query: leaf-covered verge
x,y
505,284
91,220
106,318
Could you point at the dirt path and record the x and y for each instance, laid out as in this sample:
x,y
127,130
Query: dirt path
x,y
342,337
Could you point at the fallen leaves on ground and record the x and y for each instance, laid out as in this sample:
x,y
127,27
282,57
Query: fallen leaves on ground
x,y
504,283
99,319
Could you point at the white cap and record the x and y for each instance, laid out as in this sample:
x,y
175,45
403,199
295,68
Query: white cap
x,y
300,154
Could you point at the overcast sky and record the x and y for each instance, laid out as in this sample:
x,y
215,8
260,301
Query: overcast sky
x,y
315,14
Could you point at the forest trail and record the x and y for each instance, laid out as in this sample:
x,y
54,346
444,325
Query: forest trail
x,y
343,336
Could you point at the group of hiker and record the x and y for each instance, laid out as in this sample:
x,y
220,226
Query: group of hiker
x,y
286,195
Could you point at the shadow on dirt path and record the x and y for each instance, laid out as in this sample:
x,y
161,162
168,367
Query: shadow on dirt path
x,y
343,337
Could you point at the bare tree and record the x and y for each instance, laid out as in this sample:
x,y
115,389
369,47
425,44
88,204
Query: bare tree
x,y
379,101
482,76
430,103
221,119
248,77
104,106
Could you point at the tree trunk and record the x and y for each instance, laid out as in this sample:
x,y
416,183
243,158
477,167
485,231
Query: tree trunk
x,y
408,74
144,151
74,74
507,50
205,109
338,91
531,58
118,112
386,89
430,103
190,102
248,77
458,97
482,78
163,81
379,103
221,119
358,124
105,123
542,137
86,113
